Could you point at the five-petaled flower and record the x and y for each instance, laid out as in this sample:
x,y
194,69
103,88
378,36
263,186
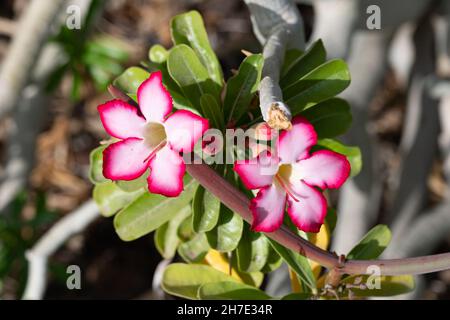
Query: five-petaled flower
x,y
150,137
292,174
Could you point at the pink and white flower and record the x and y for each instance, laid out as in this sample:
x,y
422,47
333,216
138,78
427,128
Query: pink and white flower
x,y
150,137
292,175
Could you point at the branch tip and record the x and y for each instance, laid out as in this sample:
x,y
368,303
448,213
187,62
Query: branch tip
x,y
278,119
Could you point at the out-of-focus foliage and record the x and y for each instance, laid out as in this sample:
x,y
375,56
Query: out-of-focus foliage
x,y
18,234
99,58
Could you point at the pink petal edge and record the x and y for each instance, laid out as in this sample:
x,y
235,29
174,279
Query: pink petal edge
x,y
154,99
121,120
184,129
308,214
267,209
125,160
167,171
294,144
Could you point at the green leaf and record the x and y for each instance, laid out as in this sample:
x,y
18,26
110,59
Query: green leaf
x,y
322,83
330,118
96,165
184,280
166,237
228,231
133,185
297,262
253,279
158,54
194,250
230,290
252,251
331,219
149,212
297,296
290,58
130,80
242,87
109,47
274,261
353,154
110,198
295,68
189,29
366,285
205,210
190,75
372,245
212,111
185,232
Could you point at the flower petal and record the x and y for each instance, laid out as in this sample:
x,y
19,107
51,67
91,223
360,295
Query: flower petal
x,y
294,145
258,172
324,169
184,129
154,99
268,208
121,120
308,213
167,171
126,159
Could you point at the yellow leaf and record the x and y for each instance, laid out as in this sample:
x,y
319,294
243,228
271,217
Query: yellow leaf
x,y
216,260
295,284
321,240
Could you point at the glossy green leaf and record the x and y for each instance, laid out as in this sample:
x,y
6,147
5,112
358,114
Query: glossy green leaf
x,y
184,280
330,118
158,54
133,185
353,154
149,212
130,80
331,219
189,29
230,290
226,234
254,279
242,87
297,296
252,251
194,250
205,210
290,58
96,165
185,232
274,261
110,198
378,286
190,75
166,237
297,262
212,111
372,245
296,68
109,47
322,83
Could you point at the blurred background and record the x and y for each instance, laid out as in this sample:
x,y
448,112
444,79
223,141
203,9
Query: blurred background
x,y
52,79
